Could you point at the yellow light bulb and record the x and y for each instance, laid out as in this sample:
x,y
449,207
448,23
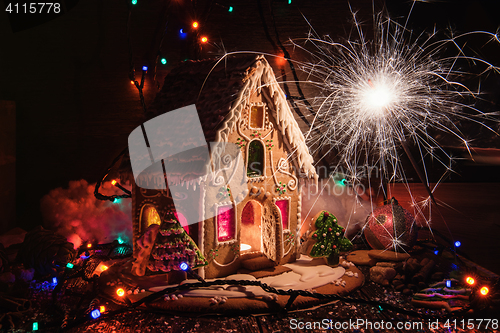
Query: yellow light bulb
x,y
120,292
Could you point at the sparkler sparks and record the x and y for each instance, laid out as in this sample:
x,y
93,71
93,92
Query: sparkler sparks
x,y
378,94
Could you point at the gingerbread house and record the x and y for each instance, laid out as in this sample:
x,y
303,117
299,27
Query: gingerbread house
x,y
239,101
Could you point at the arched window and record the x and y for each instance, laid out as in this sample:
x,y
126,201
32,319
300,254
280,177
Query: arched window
x,y
255,159
149,216
250,233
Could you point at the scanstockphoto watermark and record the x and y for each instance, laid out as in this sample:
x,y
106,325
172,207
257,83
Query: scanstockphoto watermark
x,y
365,324
355,324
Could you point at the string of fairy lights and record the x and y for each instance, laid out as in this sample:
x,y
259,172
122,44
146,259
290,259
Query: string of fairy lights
x,y
484,291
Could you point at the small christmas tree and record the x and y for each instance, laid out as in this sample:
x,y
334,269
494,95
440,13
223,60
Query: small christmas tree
x,y
329,238
173,246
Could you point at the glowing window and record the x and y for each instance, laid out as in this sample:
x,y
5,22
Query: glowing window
x,y
149,216
257,116
226,226
182,220
255,159
283,207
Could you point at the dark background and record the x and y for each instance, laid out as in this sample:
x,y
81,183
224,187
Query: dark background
x,y
68,75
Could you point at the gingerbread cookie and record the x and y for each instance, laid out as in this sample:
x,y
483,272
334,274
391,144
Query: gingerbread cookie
x,y
361,257
386,255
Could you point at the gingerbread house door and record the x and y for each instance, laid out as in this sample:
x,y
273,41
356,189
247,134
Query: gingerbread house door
x,y
271,228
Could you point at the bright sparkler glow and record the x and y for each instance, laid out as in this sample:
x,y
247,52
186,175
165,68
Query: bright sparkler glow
x,y
376,95
383,93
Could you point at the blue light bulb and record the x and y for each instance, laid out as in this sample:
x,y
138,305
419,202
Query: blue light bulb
x,y
184,266
95,314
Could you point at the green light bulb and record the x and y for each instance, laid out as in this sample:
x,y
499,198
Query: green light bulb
x,y
230,9
163,61
134,2
69,265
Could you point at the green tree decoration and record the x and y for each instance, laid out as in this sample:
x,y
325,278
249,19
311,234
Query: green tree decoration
x,y
329,239
172,247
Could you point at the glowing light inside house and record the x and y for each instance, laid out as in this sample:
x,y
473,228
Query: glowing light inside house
x,y
484,291
283,207
120,292
226,229
244,247
151,215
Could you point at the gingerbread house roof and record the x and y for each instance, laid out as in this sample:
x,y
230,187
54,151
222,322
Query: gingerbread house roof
x,y
221,90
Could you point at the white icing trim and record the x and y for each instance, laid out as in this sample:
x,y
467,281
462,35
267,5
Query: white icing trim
x,y
240,133
218,161
291,246
292,183
283,164
225,265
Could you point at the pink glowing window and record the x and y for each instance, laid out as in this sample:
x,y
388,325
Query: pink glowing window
x,y
283,207
226,226
182,220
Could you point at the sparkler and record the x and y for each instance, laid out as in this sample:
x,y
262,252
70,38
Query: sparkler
x,y
379,95
376,95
